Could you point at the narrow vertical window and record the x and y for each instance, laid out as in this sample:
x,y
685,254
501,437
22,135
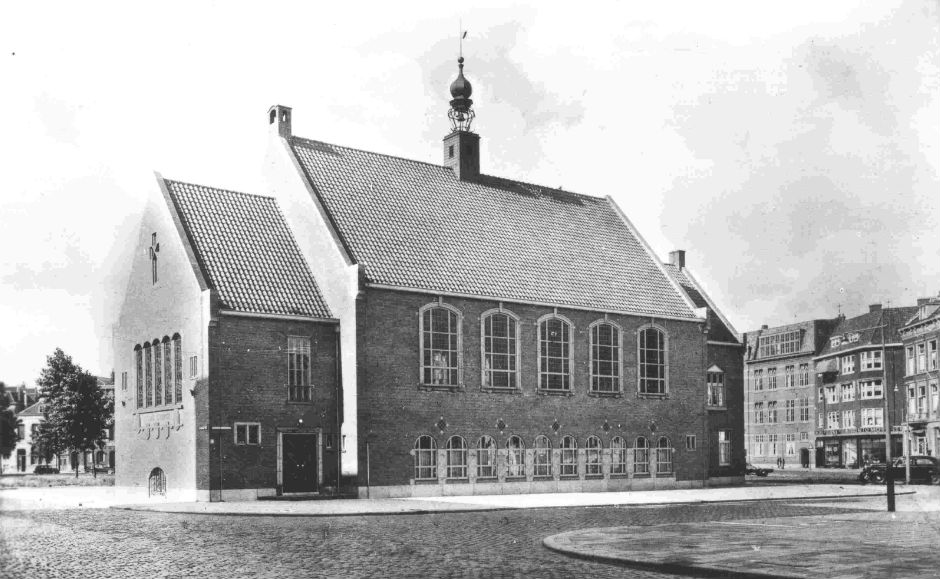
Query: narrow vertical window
x,y
592,456
715,384
663,456
425,453
652,361
554,354
641,456
298,368
157,373
486,457
605,358
456,452
569,456
148,375
167,371
440,346
178,367
500,350
618,456
543,456
139,357
515,457
724,447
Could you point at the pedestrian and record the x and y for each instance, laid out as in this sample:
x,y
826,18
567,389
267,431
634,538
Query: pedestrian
x,y
783,462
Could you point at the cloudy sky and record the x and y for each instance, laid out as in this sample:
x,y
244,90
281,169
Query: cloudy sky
x,y
790,148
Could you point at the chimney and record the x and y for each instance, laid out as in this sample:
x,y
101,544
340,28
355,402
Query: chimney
x,y
923,301
462,154
764,327
279,120
677,258
874,308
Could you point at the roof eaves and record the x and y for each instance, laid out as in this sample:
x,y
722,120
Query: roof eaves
x,y
649,252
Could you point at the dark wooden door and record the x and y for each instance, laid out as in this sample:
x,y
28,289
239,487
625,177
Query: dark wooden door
x,y
299,463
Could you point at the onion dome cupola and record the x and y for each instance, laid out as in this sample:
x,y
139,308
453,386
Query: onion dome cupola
x,y
461,112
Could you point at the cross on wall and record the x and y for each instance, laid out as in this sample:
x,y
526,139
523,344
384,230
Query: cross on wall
x,y
153,250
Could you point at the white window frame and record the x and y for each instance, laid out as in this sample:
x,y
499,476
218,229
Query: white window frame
x,y
542,457
715,385
758,379
422,367
593,448
832,394
544,374
568,465
772,378
870,360
246,428
664,464
640,387
847,392
515,457
870,390
876,415
618,456
805,409
297,347
425,459
847,364
804,374
486,457
932,361
457,458
909,366
486,368
832,420
724,447
641,456
789,410
921,353
617,377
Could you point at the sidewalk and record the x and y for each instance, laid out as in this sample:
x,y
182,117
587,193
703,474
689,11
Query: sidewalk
x,y
871,544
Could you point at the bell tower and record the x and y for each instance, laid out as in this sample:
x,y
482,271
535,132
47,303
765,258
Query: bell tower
x,y
462,146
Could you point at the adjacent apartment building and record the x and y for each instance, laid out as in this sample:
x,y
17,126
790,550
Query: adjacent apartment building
x,y
860,388
779,400
920,336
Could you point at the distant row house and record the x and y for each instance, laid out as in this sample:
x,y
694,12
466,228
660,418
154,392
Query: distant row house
x,y
823,392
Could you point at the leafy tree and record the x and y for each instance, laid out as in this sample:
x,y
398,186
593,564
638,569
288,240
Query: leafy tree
x,y
77,411
8,433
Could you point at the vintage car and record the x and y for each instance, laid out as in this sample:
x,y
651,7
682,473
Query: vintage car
x,y
925,469
45,469
751,469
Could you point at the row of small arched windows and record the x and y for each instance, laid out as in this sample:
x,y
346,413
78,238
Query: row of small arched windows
x,y
441,352
644,455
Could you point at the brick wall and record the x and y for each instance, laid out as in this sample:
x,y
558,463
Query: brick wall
x,y
730,359
393,411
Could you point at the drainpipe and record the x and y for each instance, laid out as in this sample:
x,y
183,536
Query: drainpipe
x,y
338,440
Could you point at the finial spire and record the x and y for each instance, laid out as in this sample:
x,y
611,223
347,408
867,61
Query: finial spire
x,y
461,114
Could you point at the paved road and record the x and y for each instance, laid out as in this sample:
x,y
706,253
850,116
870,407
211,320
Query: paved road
x,y
113,543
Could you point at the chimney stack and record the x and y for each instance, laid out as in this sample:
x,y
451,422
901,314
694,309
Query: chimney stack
x,y
279,120
677,258
874,308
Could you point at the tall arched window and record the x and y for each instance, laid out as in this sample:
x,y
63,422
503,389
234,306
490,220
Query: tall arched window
x,y
605,357
156,482
554,354
641,456
167,371
543,456
515,457
618,455
148,375
652,361
592,455
663,456
425,458
499,344
178,367
440,345
139,362
569,456
456,448
157,373
486,457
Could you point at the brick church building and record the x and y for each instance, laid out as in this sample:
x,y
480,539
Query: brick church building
x,y
400,328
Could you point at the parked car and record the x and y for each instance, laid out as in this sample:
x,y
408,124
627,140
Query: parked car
x,y
45,469
751,469
925,469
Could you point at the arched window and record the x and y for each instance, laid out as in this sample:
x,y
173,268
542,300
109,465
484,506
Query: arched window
x,y
425,458
663,456
178,367
641,456
440,345
156,483
569,456
139,360
167,371
456,448
715,382
515,457
652,361
618,455
605,357
554,354
148,375
157,373
543,456
592,457
500,347
486,457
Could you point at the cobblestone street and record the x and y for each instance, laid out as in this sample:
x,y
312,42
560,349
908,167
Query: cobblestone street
x,y
116,543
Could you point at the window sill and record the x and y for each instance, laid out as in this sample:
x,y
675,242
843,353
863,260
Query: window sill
x,y
574,476
162,408
716,408
594,476
457,480
500,390
544,392
440,387
652,396
595,394
519,478
426,481
641,475
299,401
619,475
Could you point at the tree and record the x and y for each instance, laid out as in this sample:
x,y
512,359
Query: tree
x,y
8,433
77,411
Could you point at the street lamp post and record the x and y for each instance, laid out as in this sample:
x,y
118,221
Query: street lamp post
x,y
889,480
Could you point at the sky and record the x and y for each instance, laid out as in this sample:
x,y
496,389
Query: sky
x,y
790,148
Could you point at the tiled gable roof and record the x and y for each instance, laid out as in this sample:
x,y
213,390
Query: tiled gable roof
x,y
415,225
247,251
717,329
32,410
873,329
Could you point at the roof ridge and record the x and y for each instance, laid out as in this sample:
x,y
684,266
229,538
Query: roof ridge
x,y
220,189
443,168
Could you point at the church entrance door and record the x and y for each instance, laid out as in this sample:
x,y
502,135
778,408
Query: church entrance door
x,y
299,466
